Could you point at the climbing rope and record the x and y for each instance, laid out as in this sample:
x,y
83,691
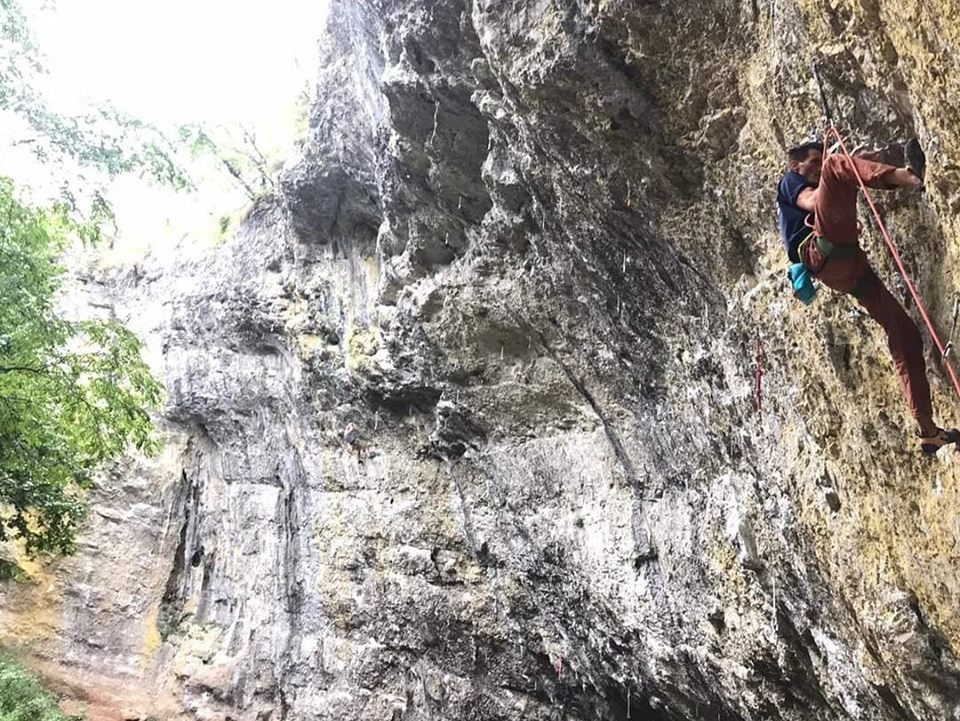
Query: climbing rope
x,y
896,257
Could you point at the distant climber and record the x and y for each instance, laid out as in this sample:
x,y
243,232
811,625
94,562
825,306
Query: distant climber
x,y
828,190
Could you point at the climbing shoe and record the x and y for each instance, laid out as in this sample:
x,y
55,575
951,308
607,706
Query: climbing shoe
x,y
943,437
915,158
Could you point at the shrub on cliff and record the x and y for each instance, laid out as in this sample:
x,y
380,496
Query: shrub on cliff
x,y
22,698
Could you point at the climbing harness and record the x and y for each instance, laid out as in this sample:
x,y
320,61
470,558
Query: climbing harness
x,y
895,253
835,251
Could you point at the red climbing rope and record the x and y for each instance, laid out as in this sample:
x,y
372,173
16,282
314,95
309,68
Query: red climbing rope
x,y
896,257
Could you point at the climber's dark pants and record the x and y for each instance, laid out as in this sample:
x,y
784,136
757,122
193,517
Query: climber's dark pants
x,y
848,271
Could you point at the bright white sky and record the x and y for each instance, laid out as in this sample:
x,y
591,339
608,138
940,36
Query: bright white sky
x,y
183,60
172,62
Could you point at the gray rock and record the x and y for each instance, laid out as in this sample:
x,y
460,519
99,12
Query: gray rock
x,y
527,253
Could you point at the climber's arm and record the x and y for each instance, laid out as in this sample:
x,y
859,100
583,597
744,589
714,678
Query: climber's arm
x,y
806,198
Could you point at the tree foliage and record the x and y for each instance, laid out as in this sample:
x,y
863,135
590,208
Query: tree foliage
x,y
238,153
22,698
104,139
72,393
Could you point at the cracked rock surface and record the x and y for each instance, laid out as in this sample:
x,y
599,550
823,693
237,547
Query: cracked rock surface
x,y
529,253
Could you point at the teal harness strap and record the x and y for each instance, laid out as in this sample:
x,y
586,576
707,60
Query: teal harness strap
x,y
836,251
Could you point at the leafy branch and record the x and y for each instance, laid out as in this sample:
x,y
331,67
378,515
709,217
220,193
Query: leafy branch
x,y
105,139
243,159
75,394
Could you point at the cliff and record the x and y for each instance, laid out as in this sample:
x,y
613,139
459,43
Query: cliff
x,y
529,251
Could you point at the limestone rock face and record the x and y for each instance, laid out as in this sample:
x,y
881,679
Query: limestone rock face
x,y
529,253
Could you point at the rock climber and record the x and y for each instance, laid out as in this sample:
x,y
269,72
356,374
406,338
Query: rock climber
x,y
827,189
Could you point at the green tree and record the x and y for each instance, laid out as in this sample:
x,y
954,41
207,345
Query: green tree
x,y
22,698
104,139
72,394
238,152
